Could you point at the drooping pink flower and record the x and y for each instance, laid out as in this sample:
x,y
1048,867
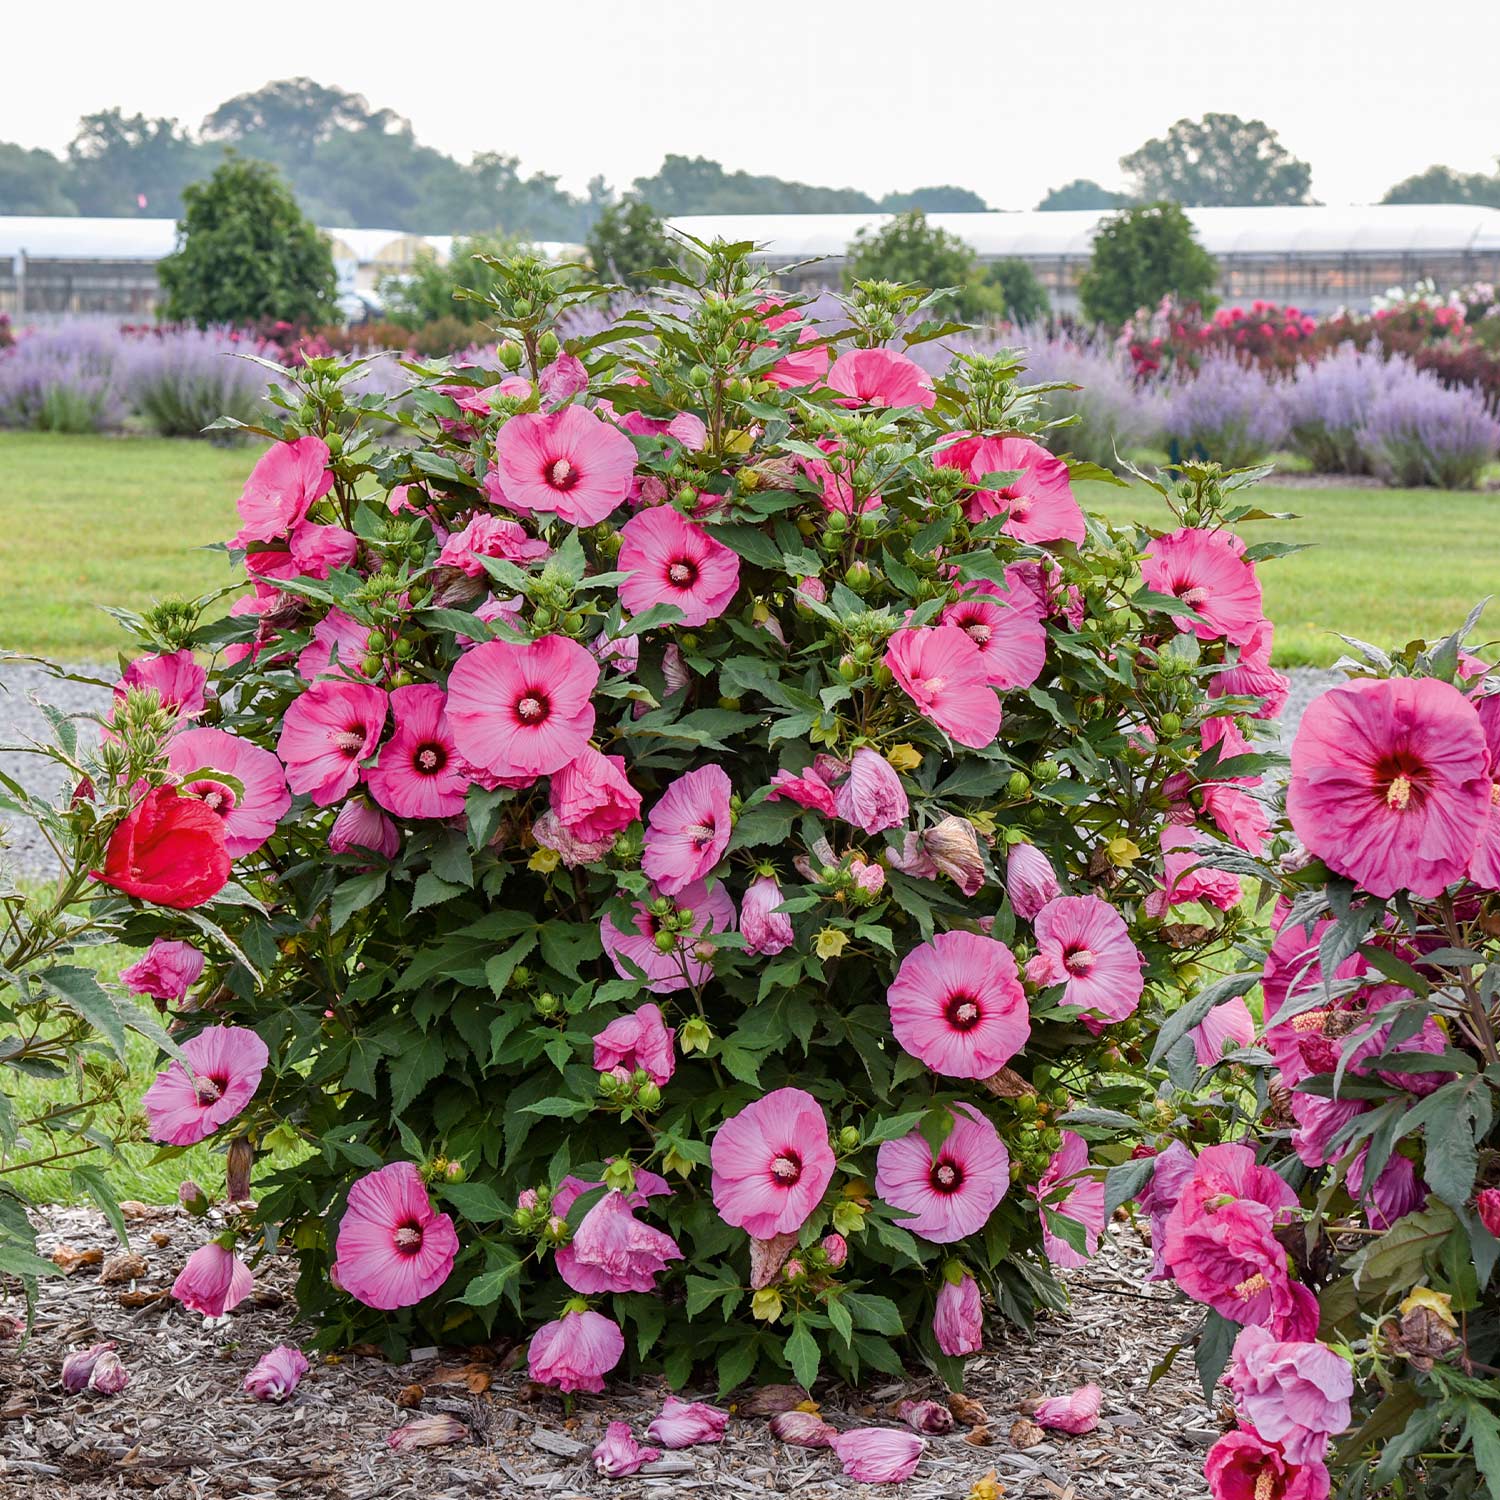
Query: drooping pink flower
x,y
1039,505
1007,627
337,649
1187,878
593,797
807,789
436,1431
212,1281
641,1039
489,535
420,773
360,825
618,1453
688,830
1253,676
683,1424
1083,944
166,971
1083,1203
1171,1172
1396,1192
772,1163
1242,1465
956,1002
575,1352
1076,1413
250,810
1484,863
612,1251
1390,783
871,796
287,481
943,672
1030,880
227,1063
325,733
569,462
276,1374
564,378
393,1247
767,931
179,681
1229,1025
1208,572
1240,818
316,551
1292,1392
522,711
958,1317
878,1455
881,377
951,1194
671,561
690,962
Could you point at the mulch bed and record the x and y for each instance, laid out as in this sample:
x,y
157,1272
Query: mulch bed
x,y
185,1430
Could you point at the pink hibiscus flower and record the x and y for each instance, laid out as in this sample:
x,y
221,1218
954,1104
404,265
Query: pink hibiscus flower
x,y
612,1251
688,830
1008,630
881,377
1390,783
772,1163
575,1352
1038,506
1253,676
393,1247
316,551
1185,877
641,1039
1075,1413
767,930
250,810
570,462
1083,1203
671,561
943,672
520,712
1208,572
593,797
871,796
877,1455
1083,944
952,1194
689,963
227,1063
276,1374
958,1317
1293,1392
420,773
798,366
1226,1027
337,649
326,733
684,1424
361,826
178,679
490,536
212,1281
807,789
286,482
957,1004
1242,1465
166,971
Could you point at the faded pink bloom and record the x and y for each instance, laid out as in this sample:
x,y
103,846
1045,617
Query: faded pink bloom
x,y
1038,504
1077,1412
618,1453
950,1195
575,1352
641,1039
1083,944
1293,1393
393,1247
287,481
593,797
930,1417
1239,817
1396,1192
688,429
436,1431
872,797
688,829
250,810
1187,878
802,1429
552,833
1208,572
337,649
1007,628
881,377
316,551
326,733
943,672
489,535
671,561
684,1424
110,1377
1030,880
867,877
953,847
360,825
1083,1203
767,931
420,773
227,1063
878,1455
1252,676
276,1374
612,1251
212,1281
958,1317
520,712
690,962
179,681
772,1163
570,462
565,377
807,789
1242,1465
78,1367
1228,1025
957,1004
166,971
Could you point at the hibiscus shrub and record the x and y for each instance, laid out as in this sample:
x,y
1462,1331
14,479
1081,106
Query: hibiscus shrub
x,y
716,820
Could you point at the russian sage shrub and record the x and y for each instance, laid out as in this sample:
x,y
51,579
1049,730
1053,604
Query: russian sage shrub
x,y
70,379
1230,411
180,380
1422,433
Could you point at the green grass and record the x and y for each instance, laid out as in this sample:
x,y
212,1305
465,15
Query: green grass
x,y
91,521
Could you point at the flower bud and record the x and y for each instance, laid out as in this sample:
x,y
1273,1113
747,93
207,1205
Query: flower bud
x,y
849,1138
193,1198
836,1248
1019,784
455,1171
556,1231
1030,880
648,1095
527,1200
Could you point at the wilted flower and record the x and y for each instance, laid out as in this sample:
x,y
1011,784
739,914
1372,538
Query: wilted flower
x,y
212,1281
682,1424
276,1374
1030,880
428,1432
878,1455
802,1429
928,1417
1077,1412
618,1453
78,1367
958,1317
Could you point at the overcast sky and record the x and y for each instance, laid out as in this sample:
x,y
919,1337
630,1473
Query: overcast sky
x,y
1006,98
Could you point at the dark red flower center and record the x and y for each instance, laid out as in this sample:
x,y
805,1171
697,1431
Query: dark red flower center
x,y
946,1175
786,1168
210,1087
701,834
1194,595
962,1012
978,632
408,1238
349,741
682,572
533,708
561,474
430,758
1401,783
214,795
1079,961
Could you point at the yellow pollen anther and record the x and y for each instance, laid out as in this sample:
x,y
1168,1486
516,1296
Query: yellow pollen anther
x,y
1398,794
1251,1286
1265,1484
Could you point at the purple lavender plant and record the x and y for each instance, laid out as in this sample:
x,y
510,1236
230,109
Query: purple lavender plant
x,y
1328,404
179,380
1423,433
1229,410
70,378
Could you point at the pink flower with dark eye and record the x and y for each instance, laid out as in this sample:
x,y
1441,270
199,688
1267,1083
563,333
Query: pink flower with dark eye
x,y
1208,572
569,462
1007,627
1390,783
881,377
1083,1203
166,971
251,798
1185,876
807,789
957,1004
227,1063
1242,1465
276,1375
688,829
684,1424
1076,1413
1030,880
326,733
522,711
943,672
575,1352
1226,1027
612,1251
772,1163
950,1194
1292,1392
212,1281
671,561
420,773
871,797
337,649
958,1317
287,481
634,951
1083,944
618,1453
767,931
178,680
1038,504
593,797
490,536
360,825
640,1040
878,1455
393,1247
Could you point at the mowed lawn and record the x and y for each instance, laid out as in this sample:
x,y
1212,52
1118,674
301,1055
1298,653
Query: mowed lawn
x,y
88,521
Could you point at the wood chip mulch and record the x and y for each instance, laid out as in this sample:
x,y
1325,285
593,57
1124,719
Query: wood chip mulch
x,y
185,1430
